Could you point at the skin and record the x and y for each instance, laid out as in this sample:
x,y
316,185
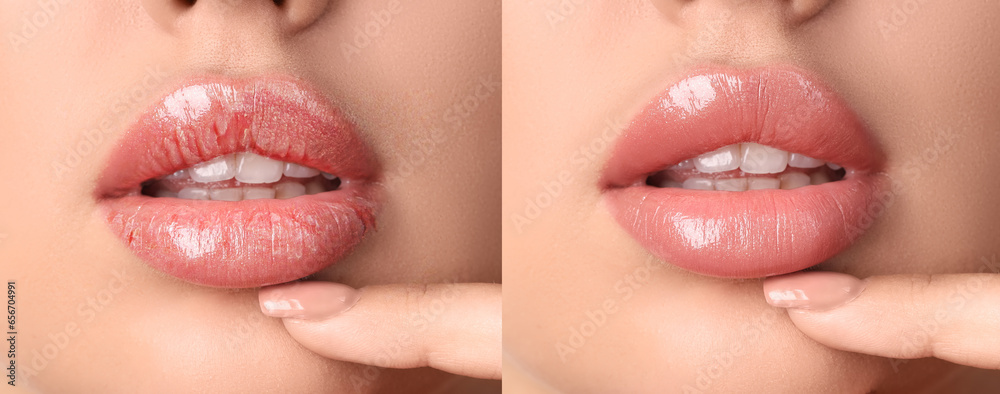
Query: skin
x,y
152,333
929,75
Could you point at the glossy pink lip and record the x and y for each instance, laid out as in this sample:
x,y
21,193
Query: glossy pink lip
x,y
755,233
247,243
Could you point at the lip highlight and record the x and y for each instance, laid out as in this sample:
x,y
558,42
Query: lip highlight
x,y
248,243
754,233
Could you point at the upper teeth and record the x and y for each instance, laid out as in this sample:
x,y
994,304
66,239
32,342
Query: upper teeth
x,y
246,168
257,177
726,158
751,158
760,167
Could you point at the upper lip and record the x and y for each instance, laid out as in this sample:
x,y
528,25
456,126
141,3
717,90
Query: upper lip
x,y
248,243
755,233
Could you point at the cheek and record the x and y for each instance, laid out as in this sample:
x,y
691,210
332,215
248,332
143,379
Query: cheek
x,y
923,92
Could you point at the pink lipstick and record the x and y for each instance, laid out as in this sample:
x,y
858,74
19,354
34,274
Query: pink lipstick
x,y
745,173
237,197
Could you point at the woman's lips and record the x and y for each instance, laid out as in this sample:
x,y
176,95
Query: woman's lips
x,y
246,243
753,233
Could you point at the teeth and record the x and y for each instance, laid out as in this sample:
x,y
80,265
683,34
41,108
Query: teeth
x,y
218,169
256,193
799,160
282,190
684,165
762,159
314,187
749,158
731,185
794,180
180,174
791,180
193,193
669,183
763,183
786,181
227,194
296,171
165,193
289,190
698,184
818,178
254,168
246,168
723,159
260,176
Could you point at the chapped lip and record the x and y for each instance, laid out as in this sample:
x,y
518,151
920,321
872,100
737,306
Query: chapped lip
x,y
248,243
755,233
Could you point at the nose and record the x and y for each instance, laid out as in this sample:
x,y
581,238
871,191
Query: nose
x,y
738,32
792,11
235,36
287,16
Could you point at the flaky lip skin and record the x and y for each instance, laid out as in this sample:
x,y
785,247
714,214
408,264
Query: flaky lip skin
x,y
248,243
755,233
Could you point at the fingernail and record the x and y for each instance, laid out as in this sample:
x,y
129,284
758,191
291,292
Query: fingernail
x,y
812,290
307,300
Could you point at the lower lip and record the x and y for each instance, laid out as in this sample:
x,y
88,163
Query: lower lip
x,y
235,244
749,234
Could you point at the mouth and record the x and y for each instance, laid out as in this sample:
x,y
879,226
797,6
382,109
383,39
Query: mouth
x,y
240,183
745,173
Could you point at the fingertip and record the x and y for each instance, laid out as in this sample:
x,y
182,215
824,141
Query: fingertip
x,y
307,300
812,291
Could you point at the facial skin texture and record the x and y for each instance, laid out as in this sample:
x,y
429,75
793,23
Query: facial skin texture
x,y
925,80
89,65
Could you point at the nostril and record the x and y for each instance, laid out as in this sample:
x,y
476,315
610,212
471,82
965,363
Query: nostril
x,y
287,15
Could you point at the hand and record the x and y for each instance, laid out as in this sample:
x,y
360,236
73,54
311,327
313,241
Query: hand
x,y
953,317
452,327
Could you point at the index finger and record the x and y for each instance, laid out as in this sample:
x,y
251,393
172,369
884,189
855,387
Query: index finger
x,y
955,317
451,327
